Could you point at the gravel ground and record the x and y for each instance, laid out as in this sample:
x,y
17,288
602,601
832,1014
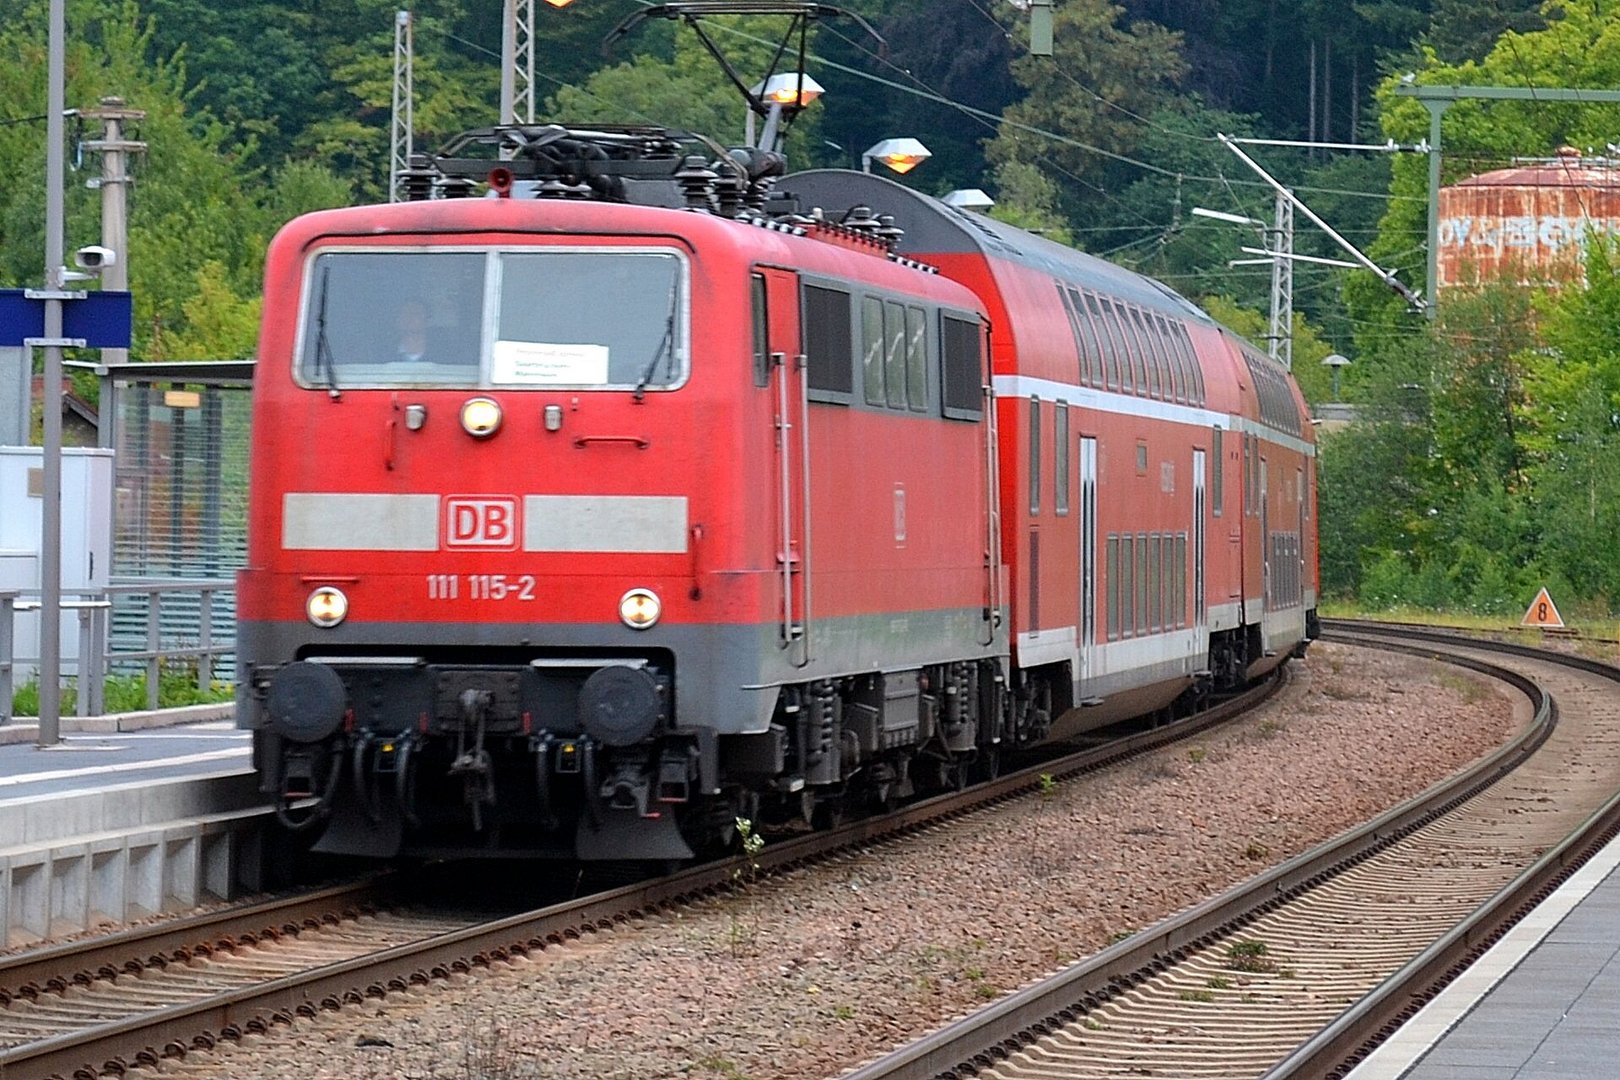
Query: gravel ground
x,y
813,973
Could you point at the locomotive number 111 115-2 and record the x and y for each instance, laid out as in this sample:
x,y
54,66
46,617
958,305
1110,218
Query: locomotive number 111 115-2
x,y
480,586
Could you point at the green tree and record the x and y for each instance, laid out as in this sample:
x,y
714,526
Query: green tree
x,y
1091,93
196,235
690,91
1573,435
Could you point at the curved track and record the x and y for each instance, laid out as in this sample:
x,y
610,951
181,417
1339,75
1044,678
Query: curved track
x,y
106,1005
1300,971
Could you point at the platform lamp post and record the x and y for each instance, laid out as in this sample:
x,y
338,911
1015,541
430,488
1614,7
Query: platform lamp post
x,y
901,155
1335,363
50,559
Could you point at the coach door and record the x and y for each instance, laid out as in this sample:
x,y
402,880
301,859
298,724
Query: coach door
x,y
787,378
1088,555
1198,546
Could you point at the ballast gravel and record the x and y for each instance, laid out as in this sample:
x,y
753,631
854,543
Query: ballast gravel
x,y
817,971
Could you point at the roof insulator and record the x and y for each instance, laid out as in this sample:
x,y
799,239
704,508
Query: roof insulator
x,y
888,231
553,187
696,181
416,179
860,219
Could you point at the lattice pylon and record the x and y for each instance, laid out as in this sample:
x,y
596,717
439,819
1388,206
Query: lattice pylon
x,y
399,157
1282,283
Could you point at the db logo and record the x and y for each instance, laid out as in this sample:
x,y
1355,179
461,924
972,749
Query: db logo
x,y
486,522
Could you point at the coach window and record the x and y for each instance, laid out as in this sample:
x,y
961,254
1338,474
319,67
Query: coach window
x,y
1034,455
1090,338
1192,362
1060,458
1104,341
872,349
1172,360
1112,569
1074,329
1217,472
1141,583
917,358
1127,588
762,349
1155,600
1180,589
1122,345
1139,357
961,361
894,363
1150,353
1251,475
1142,362
829,353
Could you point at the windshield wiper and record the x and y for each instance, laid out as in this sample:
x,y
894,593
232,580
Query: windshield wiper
x,y
665,348
323,347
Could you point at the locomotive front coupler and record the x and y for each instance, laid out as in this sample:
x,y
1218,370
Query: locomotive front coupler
x,y
473,764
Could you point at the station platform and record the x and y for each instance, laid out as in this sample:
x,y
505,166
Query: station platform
x,y
95,759
110,825
1542,1004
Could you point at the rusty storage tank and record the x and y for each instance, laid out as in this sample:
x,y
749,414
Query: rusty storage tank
x,y
1528,224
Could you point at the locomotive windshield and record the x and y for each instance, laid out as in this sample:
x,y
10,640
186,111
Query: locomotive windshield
x,y
569,318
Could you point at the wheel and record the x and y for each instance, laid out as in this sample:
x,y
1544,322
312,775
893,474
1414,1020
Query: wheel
x,y
829,812
988,766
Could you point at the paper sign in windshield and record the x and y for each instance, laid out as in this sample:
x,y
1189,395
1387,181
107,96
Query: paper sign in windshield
x,y
539,363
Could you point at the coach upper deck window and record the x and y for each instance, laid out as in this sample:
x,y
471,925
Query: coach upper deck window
x,y
427,317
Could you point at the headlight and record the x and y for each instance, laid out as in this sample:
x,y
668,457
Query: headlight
x,y
640,608
326,606
480,417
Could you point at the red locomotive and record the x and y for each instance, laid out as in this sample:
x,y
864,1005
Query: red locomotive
x,y
654,490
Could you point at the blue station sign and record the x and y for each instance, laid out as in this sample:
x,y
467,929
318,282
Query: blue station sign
x,y
103,319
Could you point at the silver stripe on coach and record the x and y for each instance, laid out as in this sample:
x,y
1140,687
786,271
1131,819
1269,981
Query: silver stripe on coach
x,y
336,521
606,523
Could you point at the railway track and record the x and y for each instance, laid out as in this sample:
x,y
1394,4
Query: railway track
x,y
1301,971
106,1005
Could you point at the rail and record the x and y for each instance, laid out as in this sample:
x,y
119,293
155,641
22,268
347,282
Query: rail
x,y
96,658
987,1036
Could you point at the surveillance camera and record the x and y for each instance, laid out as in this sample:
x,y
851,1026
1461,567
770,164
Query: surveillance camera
x,y
95,257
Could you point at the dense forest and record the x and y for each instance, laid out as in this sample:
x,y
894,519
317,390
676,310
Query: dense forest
x,y
1483,462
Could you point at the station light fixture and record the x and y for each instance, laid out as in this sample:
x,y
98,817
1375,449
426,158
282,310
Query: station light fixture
x,y
559,3
789,88
901,155
969,199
